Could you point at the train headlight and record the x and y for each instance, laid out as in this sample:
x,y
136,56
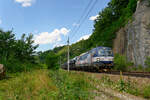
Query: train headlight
x,y
98,59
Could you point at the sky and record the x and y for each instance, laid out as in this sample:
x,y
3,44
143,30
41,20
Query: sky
x,y
50,21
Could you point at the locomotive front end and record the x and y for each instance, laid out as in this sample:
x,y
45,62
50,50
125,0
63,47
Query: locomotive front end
x,y
103,58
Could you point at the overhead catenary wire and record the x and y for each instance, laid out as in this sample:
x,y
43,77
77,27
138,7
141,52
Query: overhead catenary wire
x,y
81,17
85,17
82,21
78,22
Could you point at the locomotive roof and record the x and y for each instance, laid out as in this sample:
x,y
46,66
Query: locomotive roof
x,y
100,47
83,53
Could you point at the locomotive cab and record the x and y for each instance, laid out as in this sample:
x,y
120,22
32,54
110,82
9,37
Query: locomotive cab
x,y
103,58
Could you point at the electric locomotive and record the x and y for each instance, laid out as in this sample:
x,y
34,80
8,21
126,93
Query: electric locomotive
x,y
97,59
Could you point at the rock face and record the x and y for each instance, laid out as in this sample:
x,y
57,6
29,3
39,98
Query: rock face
x,y
120,42
134,40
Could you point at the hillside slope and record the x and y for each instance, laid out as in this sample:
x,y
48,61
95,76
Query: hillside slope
x,y
110,20
122,25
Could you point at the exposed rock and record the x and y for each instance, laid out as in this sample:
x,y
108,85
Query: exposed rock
x,y
134,39
120,42
138,34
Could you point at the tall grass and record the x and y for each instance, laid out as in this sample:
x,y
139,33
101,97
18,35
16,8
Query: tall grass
x,y
35,85
45,85
72,86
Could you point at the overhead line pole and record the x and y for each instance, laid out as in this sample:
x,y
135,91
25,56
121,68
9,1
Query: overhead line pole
x,y
68,54
60,61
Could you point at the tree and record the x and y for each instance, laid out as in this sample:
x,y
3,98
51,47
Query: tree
x,y
52,61
7,40
15,54
25,49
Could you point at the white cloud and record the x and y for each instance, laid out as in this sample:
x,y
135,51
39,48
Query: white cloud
x,y
64,31
85,37
93,17
50,38
25,3
58,45
75,24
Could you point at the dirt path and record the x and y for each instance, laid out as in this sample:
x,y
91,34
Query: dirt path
x,y
109,94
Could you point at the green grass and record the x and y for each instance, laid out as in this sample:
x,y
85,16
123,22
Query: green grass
x,y
146,92
46,85
72,86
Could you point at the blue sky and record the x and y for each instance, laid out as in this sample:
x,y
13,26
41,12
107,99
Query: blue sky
x,y
50,21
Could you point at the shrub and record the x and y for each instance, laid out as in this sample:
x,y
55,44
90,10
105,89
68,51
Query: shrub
x,y
52,61
147,62
121,85
120,63
148,3
140,68
146,92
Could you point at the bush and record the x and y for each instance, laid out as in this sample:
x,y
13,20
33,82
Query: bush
x,y
147,62
146,92
148,3
140,68
52,61
120,63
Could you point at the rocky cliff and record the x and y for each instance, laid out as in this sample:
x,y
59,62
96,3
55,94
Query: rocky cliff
x,y
134,39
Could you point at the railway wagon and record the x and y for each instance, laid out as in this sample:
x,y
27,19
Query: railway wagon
x,y
71,64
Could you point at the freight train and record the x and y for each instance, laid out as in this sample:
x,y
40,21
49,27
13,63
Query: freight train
x,y
97,59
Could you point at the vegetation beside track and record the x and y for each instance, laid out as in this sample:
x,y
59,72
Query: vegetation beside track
x,y
61,85
46,85
127,85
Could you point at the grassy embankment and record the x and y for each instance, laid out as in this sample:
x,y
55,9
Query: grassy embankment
x,y
61,85
46,85
134,86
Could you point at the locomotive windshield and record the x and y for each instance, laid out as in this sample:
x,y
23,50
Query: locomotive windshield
x,y
105,52
108,53
101,52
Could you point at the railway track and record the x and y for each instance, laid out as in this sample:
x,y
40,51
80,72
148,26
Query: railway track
x,y
134,74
